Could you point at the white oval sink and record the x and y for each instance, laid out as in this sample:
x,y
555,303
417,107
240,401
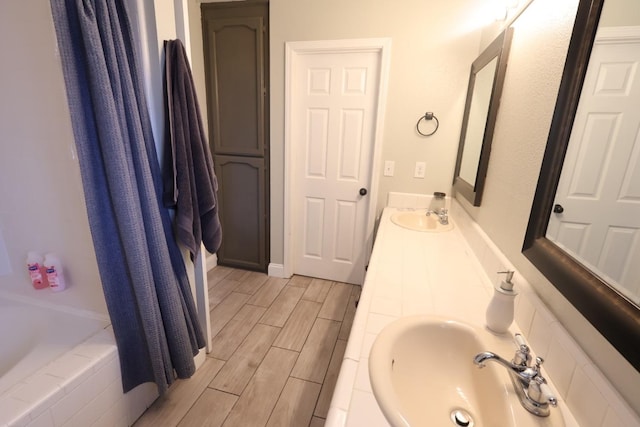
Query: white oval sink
x,y
422,371
420,221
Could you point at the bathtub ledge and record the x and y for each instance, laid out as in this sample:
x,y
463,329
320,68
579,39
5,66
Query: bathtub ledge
x,y
68,390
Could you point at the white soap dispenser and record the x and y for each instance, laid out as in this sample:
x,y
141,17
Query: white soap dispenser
x,y
500,309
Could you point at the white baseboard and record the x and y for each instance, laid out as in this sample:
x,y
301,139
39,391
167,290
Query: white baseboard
x,y
277,270
212,261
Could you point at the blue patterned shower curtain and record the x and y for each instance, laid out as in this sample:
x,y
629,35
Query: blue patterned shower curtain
x,y
143,274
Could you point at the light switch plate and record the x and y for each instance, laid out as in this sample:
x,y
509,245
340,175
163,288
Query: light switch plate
x,y
419,171
389,166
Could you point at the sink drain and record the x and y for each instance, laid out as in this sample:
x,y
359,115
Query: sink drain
x,y
461,418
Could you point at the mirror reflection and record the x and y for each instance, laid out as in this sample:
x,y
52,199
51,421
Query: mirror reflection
x,y
478,112
612,313
596,211
481,109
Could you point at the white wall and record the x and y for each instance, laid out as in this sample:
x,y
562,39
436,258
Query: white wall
x,y
538,52
41,199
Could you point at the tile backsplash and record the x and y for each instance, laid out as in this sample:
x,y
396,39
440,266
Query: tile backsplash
x,y
591,398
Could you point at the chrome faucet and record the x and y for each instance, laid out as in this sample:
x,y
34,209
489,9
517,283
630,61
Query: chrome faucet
x,y
528,382
523,372
442,214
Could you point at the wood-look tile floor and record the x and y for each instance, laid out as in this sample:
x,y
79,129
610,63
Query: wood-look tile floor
x,y
276,352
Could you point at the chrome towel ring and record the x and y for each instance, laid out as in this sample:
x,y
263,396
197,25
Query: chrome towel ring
x,y
427,117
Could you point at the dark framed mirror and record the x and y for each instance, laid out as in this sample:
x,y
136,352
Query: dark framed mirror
x,y
481,109
592,292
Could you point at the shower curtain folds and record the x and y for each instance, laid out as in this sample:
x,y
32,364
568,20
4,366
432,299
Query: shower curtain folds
x,y
141,267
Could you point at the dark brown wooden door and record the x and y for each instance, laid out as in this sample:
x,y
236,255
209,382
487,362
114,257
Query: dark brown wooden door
x,y
236,67
238,208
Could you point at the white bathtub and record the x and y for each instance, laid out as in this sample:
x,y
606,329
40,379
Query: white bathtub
x,y
60,368
32,336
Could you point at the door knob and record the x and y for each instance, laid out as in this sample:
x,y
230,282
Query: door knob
x,y
363,191
558,209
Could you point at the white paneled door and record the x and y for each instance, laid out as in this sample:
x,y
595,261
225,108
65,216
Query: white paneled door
x,y
333,110
597,207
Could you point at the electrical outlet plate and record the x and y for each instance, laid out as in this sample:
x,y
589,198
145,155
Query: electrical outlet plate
x,y
389,167
420,169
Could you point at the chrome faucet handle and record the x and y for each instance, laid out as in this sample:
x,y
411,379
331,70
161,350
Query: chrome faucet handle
x,y
548,394
523,353
540,392
522,344
444,217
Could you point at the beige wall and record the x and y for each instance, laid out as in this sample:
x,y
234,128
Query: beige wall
x,y
41,200
536,60
42,205
433,45
618,13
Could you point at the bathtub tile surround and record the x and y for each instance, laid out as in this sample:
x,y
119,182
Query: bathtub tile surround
x,y
454,276
82,387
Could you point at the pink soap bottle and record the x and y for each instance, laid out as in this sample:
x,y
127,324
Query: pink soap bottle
x,y
55,275
36,271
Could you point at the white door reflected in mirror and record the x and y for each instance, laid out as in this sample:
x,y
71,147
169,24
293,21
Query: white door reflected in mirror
x,y
598,223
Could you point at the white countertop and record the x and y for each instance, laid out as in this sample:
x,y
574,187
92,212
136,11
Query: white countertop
x,y
409,273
